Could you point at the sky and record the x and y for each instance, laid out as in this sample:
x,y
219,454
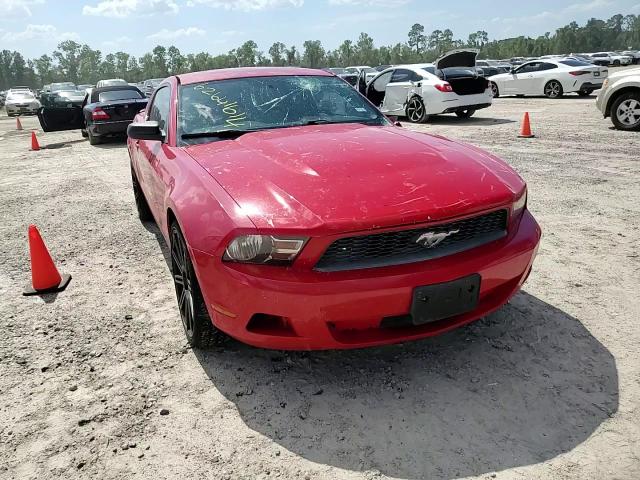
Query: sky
x,y
35,27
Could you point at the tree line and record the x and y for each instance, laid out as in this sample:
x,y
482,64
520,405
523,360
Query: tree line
x,y
78,63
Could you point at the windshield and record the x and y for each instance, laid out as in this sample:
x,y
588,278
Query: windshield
x,y
20,96
118,95
70,93
258,103
115,81
62,86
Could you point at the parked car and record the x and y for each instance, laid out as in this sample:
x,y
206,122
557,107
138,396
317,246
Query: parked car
x,y
369,72
111,82
615,59
105,112
619,99
288,202
450,85
350,77
19,102
149,86
85,87
634,54
552,78
501,67
601,59
382,68
62,98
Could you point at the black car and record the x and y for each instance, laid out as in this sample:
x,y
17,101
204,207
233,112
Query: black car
x,y
349,77
105,111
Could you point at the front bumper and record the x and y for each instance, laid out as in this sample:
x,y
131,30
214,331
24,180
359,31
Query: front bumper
x,y
14,109
340,310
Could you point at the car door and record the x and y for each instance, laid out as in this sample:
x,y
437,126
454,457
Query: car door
x,y
56,119
397,91
376,90
540,77
519,81
151,153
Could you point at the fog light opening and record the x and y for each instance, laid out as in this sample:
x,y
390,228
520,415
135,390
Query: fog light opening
x,y
264,324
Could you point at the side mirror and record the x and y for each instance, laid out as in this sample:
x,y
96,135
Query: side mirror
x,y
145,131
512,71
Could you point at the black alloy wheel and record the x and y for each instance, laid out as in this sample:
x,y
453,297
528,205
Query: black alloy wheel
x,y
416,111
198,328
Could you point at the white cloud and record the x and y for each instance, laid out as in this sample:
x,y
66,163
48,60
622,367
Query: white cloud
x,y
45,32
165,34
18,8
247,5
127,8
372,3
563,14
116,42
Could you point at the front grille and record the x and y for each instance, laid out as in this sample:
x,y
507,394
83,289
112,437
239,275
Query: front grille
x,y
400,247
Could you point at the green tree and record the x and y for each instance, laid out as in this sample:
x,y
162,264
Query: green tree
x,y
313,55
417,38
247,54
67,55
277,51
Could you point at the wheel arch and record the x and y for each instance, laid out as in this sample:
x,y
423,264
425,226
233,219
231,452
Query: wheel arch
x,y
614,96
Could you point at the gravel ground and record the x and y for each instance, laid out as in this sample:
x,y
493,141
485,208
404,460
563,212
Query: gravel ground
x,y
97,381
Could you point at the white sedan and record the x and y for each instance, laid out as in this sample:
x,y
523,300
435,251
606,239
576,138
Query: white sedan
x,y
450,85
551,78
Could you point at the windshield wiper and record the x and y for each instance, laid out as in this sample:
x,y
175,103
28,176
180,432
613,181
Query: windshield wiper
x,y
219,133
366,121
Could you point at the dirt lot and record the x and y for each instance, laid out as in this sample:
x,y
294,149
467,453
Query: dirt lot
x,y
549,387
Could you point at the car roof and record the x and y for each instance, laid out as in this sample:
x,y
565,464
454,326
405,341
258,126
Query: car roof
x,y
247,72
111,88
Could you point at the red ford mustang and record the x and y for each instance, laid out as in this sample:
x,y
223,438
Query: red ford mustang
x,y
299,217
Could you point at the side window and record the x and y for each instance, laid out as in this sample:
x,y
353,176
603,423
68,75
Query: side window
x,y
528,67
159,111
380,84
401,75
546,66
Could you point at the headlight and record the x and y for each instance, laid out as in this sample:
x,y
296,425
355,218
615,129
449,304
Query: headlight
x,y
520,204
263,249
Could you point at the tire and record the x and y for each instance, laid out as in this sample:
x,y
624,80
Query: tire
x,y
416,112
585,93
93,140
495,91
465,113
625,111
553,89
616,63
144,212
84,133
196,322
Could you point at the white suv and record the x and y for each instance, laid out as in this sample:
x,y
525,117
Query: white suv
x,y
619,99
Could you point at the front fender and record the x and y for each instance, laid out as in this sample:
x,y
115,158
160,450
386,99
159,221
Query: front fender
x,y
207,215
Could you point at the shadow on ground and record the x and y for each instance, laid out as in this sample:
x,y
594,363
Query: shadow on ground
x,y
454,120
519,387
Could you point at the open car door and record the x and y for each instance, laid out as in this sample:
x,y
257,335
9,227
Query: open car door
x,y
55,119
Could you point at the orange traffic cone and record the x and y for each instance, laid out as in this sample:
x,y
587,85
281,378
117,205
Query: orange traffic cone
x,y
35,146
525,130
18,124
44,274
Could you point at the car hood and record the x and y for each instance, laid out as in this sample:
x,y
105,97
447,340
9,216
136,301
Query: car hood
x,y
625,73
457,58
354,177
